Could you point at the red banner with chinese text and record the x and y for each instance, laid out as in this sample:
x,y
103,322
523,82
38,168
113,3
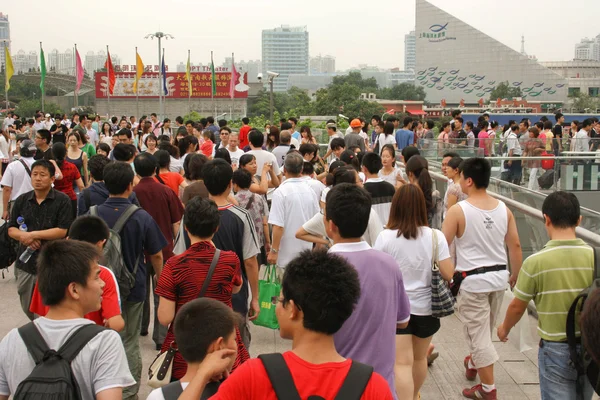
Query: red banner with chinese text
x,y
177,85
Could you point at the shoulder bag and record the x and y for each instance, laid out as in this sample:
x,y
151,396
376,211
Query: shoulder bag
x,y
442,301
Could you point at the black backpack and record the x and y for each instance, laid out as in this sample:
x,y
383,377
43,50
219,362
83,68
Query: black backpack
x,y
8,252
52,377
582,361
173,390
281,379
547,179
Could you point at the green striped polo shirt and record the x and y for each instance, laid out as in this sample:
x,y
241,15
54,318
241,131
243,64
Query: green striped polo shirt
x,y
552,278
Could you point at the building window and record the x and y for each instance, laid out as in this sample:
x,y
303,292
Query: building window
x,y
574,91
594,91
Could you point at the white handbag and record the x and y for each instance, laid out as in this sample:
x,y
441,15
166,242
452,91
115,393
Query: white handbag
x,y
161,369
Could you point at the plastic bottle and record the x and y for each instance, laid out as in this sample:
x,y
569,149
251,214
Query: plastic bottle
x,y
28,251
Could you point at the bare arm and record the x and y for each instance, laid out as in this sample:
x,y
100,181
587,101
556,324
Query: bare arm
x,y
79,183
85,169
452,200
166,311
302,234
514,313
57,174
110,394
514,248
157,263
277,235
48,234
446,269
251,265
116,323
450,225
266,233
6,192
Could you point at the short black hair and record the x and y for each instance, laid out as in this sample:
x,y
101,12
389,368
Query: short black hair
x,y
145,164
347,199
407,121
201,217
558,116
200,322
246,120
118,176
192,166
44,164
223,154
286,126
222,123
450,154
163,158
217,175
96,166
307,148
308,168
88,228
324,286
124,132
242,178
344,174
547,125
376,117
60,263
563,209
372,162
256,138
294,120
210,120
337,142
104,147
456,113
123,152
479,170
45,135
408,152
586,122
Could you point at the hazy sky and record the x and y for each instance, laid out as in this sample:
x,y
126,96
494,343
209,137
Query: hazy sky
x,y
355,32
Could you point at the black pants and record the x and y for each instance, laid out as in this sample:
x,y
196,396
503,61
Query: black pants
x,y
159,332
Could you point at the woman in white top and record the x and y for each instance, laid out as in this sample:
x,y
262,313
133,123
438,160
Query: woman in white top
x,y
389,173
411,242
385,137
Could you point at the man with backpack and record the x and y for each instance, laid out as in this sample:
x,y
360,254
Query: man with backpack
x,y
553,278
16,178
87,361
318,294
134,233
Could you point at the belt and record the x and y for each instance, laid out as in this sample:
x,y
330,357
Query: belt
x,y
482,270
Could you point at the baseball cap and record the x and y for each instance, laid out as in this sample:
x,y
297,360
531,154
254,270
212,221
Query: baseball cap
x,y
28,148
47,115
331,125
355,123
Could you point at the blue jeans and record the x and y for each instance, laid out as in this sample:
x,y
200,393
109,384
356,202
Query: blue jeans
x,y
558,377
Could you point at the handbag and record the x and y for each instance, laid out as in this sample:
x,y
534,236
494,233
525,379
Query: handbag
x,y
268,288
161,369
442,301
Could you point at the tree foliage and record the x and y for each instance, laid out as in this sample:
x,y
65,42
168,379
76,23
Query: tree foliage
x,y
403,91
584,101
505,91
27,108
293,102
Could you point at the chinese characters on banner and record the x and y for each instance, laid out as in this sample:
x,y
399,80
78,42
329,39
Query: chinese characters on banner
x,y
177,85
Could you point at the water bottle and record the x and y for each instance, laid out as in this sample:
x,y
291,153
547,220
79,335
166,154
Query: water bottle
x,y
28,251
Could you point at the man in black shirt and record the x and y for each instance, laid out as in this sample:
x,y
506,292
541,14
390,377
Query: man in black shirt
x,y
58,130
557,131
37,217
42,142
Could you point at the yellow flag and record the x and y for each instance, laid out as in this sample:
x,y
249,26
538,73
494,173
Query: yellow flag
x,y
188,75
139,71
10,71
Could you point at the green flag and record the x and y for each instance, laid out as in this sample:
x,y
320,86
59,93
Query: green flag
x,y
42,70
213,78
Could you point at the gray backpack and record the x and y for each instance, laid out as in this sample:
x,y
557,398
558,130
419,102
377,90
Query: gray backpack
x,y
112,256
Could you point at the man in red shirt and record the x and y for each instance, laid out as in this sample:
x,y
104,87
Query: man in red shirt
x,y
319,292
166,209
92,230
244,133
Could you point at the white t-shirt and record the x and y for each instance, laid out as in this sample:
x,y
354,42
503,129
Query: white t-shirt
x,y
391,178
296,143
293,203
39,125
92,136
157,394
316,226
176,165
324,194
383,140
101,364
512,143
263,157
582,141
414,258
7,121
4,148
17,178
315,185
235,155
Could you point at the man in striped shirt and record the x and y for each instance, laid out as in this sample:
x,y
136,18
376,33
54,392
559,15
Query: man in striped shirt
x,y
552,278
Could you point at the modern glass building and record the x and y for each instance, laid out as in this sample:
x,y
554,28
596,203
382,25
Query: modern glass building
x,y
285,51
410,51
458,62
4,36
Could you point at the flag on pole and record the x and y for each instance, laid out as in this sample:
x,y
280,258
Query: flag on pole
x,y
234,77
163,70
9,69
112,79
42,70
213,78
139,70
188,75
79,72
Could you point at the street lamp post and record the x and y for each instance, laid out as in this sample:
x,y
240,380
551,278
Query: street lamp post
x,y
159,36
271,98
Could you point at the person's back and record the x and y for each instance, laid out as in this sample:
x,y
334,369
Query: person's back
x,y
381,193
280,151
354,139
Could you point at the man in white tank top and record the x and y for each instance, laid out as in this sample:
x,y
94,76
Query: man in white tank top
x,y
480,227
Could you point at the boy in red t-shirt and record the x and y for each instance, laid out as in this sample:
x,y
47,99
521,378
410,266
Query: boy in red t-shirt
x,y
319,292
95,231
207,146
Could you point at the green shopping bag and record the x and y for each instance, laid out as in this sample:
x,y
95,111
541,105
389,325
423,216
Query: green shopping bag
x,y
268,288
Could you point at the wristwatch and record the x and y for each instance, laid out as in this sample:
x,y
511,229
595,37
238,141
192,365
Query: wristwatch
x,y
274,250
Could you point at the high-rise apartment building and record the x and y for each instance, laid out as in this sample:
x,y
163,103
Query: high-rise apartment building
x,y
588,49
4,36
25,62
322,65
285,51
95,61
410,51
62,63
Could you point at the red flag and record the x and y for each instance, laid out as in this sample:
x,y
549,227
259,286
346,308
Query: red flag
x,y
112,79
234,78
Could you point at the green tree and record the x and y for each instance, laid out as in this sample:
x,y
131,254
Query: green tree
x,y
403,91
355,78
505,91
27,108
583,102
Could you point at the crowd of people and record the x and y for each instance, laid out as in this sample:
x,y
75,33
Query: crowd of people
x,y
185,216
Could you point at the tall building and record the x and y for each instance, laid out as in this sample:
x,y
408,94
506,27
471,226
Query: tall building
x,y
447,69
322,65
410,51
95,61
4,36
25,62
285,51
588,49
62,63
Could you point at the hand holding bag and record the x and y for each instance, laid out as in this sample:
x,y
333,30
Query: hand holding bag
x,y
442,301
161,369
268,288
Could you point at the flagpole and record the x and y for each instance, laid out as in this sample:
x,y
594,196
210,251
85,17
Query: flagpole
x,y
189,66
75,98
163,84
108,81
160,105
233,88
6,76
137,88
43,91
212,72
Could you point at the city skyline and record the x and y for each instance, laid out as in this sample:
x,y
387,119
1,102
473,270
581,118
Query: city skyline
x,y
245,39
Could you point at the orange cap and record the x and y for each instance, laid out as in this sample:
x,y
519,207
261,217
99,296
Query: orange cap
x,y
355,123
